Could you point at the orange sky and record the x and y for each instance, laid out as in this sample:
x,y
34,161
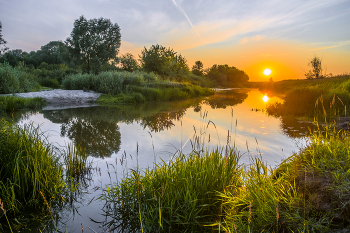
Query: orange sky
x,y
286,59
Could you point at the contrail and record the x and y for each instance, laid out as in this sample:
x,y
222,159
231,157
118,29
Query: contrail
x,y
188,19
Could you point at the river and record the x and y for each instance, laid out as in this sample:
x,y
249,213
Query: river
x,y
119,138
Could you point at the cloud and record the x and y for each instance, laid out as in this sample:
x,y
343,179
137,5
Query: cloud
x,y
342,43
254,38
188,19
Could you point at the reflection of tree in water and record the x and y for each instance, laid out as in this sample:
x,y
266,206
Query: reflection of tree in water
x,y
97,138
223,99
294,128
88,128
161,121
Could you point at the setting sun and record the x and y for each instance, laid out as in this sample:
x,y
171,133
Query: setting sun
x,y
265,98
267,72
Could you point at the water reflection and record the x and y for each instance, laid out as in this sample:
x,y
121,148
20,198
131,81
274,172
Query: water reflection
x,y
111,134
227,98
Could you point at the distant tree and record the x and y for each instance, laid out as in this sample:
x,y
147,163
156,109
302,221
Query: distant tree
x,y
163,61
93,43
13,57
316,65
197,68
2,41
227,76
128,62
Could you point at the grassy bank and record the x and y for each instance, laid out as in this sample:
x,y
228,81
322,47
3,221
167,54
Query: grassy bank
x,y
133,87
321,97
179,196
211,192
12,103
32,176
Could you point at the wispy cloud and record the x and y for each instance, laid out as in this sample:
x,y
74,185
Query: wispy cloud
x,y
342,43
188,19
254,38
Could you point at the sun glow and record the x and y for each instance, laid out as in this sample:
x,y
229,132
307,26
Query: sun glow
x,y
267,72
265,98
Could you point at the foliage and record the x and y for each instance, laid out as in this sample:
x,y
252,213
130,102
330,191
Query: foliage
x,y
128,62
197,68
12,103
2,41
316,65
13,80
224,75
163,61
176,196
93,43
323,97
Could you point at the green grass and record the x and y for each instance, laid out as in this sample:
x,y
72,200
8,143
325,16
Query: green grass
x,y
179,195
33,177
319,98
14,80
28,167
12,103
308,192
121,87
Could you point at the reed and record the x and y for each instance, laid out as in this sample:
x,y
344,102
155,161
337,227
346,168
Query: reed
x,y
28,167
301,97
12,103
178,195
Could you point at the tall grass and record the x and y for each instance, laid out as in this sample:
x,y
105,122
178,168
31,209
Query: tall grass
x,y
313,98
14,80
176,196
12,103
109,82
28,167
133,87
33,176
308,192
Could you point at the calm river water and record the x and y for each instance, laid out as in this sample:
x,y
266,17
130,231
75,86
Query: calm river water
x,y
119,138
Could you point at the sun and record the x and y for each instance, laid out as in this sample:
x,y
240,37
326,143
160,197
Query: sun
x,y
267,72
265,98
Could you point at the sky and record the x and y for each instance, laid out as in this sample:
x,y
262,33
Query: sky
x,y
251,35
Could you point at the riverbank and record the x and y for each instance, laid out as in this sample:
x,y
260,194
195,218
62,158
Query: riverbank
x,y
306,193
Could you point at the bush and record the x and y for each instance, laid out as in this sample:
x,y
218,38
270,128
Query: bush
x,y
51,82
14,80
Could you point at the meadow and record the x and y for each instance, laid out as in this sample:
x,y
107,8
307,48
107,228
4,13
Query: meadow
x,y
312,98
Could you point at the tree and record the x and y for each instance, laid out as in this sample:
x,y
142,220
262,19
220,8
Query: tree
x,y
225,75
163,61
316,65
93,43
197,68
2,41
128,62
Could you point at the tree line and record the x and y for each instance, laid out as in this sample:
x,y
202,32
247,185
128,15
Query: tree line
x,y
93,47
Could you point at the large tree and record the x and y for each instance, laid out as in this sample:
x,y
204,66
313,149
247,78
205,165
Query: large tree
x,y
128,62
163,61
227,76
2,41
93,43
197,68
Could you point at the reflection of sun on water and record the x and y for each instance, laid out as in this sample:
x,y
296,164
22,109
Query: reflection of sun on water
x,y
265,98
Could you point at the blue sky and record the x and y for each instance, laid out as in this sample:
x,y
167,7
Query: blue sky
x,y
240,33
